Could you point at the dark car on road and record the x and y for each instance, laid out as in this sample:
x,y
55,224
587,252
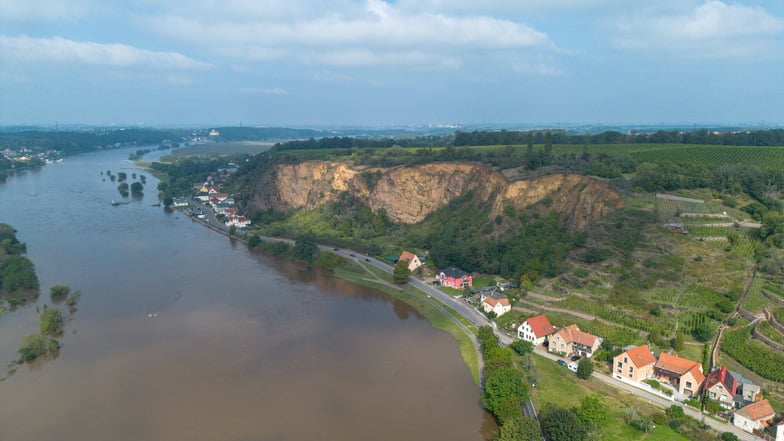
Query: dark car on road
x,y
367,260
352,255
561,362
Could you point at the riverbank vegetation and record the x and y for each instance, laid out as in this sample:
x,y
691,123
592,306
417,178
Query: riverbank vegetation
x,y
18,281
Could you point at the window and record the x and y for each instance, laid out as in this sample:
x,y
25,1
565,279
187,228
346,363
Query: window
x,y
620,365
625,359
713,395
688,385
631,370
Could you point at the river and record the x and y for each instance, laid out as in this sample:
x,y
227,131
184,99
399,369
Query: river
x,y
243,347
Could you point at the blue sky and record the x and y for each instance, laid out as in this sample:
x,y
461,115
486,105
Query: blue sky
x,y
405,62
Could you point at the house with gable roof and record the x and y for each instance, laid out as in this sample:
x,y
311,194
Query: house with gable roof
x,y
571,340
721,386
635,364
499,306
685,375
754,417
454,278
412,259
535,329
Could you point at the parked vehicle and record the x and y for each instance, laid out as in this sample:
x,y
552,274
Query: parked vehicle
x,y
572,366
561,362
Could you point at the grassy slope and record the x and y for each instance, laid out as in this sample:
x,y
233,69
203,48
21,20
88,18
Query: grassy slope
x,y
560,386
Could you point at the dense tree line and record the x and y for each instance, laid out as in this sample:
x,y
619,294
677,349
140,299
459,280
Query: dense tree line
x,y
18,281
773,137
72,142
186,172
351,142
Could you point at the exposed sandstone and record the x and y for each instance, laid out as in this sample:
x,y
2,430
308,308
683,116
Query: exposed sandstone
x,y
409,194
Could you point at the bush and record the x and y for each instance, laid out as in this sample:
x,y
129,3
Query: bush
x,y
584,368
59,292
523,347
729,436
675,411
37,345
52,321
660,419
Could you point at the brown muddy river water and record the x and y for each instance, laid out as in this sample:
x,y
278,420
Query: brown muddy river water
x,y
243,347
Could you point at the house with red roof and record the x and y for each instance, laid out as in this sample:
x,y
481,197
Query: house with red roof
x,y
536,330
412,259
754,417
635,364
721,386
454,278
499,306
684,375
572,341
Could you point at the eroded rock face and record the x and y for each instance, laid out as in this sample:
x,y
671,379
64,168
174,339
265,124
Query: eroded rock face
x,y
409,194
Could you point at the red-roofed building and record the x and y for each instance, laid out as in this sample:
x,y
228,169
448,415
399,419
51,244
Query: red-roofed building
x,y
412,259
685,375
571,340
721,386
536,330
635,364
498,306
455,278
755,416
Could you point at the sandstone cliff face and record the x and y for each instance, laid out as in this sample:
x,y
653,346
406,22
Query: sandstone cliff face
x,y
409,194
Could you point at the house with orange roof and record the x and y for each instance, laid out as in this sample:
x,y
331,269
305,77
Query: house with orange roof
x,y
571,340
498,306
412,259
721,386
536,330
635,364
685,375
754,417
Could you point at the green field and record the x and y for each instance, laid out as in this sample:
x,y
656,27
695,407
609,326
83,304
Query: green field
x,y
223,148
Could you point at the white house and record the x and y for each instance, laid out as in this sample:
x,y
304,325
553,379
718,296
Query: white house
x,y
498,306
237,221
535,329
755,416
412,259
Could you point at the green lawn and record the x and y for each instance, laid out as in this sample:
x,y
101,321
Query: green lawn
x,y
557,385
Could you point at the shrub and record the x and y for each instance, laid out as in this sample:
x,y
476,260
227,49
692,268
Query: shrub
x,y
52,321
675,411
37,345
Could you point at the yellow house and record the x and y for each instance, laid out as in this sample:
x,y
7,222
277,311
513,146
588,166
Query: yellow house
x,y
635,364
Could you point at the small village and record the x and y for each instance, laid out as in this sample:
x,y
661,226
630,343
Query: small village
x,y
209,195
727,395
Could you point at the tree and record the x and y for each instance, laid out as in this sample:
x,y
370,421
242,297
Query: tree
x,y
52,321
523,347
519,428
678,343
168,201
584,368
702,333
232,230
137,187
592,413
253,241
37,345
59,292
675,412
560,424
401,272
305,248
729,436
502,384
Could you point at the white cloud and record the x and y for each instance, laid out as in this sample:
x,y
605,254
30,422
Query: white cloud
x,y
61,50
372,33
712,30
28,11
